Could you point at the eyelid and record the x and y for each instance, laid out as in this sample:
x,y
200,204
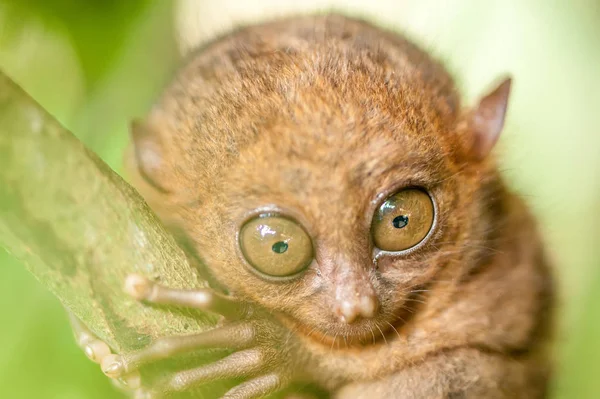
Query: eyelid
x,y
276,211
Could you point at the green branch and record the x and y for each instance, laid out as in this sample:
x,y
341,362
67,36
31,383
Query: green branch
x,y
80,229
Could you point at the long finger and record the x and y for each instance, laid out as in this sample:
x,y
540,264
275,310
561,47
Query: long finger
x,y
237,365
255,388
143,289
233,336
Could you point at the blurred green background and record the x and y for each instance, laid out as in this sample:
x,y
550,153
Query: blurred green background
x,y
96,64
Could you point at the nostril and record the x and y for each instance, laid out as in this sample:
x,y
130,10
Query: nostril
x,y
368,306
347,312
350,311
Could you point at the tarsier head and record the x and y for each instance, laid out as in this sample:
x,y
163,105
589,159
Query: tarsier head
x,y
328,177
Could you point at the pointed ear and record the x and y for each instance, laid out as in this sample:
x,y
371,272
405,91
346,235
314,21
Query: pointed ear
x,y
486,120
147,153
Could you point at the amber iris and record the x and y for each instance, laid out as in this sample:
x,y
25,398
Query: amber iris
x,y
275,245
403,220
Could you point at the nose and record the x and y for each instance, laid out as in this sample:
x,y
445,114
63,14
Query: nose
x,y
351,309
353,293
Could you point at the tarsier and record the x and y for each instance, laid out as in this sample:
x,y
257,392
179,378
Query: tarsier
x,y
347,207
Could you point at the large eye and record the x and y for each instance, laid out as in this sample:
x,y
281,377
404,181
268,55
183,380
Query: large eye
x,y
403,220
275,245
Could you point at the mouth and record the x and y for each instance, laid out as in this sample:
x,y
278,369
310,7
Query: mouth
x,y
363,332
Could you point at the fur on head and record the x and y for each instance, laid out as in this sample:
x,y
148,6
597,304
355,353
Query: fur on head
x,y
320,119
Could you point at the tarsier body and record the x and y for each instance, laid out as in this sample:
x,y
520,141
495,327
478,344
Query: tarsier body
x,y
348,209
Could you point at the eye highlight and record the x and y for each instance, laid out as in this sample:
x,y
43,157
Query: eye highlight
x,y
275,245
403,220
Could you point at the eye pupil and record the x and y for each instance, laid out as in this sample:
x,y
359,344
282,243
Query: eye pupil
x,y
400,222
280,247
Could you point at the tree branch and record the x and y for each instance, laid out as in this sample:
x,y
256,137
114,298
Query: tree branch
x,y
80,228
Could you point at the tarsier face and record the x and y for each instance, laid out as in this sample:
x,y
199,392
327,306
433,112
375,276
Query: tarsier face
x,y
341,244
279,249
330,194
340,238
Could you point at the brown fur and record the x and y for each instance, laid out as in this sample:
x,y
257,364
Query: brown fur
x,y
318,117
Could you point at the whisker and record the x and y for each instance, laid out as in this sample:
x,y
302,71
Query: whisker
x,y
333,342
394,328
409,310
382,334
312,330
460,170
469,246
323,338
372,333
415,300
290,333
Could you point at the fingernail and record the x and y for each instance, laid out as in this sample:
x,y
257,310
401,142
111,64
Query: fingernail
x,y
89,352
96,351
138,286
83,339
132,380
111,366
112,370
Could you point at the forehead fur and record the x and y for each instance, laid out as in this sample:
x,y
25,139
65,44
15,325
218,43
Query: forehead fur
x,y
325,89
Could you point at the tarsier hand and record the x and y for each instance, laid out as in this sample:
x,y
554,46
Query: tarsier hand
x,y
257,340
